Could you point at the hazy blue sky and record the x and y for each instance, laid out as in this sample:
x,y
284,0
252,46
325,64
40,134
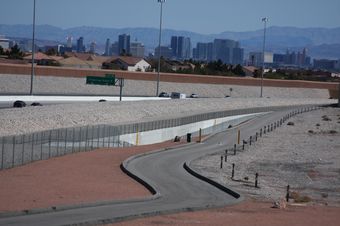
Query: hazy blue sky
x,y
203,16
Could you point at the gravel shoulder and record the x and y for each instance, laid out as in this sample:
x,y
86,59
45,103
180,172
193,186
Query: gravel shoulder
x,y
305,156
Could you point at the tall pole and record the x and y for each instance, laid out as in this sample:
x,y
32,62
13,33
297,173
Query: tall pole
x,y
159,46
265,19
33,50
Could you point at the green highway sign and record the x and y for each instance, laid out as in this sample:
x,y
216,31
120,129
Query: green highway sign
x,y
108,80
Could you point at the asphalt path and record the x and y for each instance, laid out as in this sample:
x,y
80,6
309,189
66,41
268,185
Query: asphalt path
x,y
175,189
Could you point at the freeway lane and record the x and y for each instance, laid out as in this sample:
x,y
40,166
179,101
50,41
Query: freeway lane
x,y
177,190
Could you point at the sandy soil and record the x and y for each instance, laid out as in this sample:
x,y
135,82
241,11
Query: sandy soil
x,y
305,156
64,85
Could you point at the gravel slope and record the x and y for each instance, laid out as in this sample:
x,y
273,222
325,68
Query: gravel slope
x,y
32,119
306,156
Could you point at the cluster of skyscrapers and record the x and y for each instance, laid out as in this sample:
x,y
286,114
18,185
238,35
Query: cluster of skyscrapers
x,y
124,47
226,50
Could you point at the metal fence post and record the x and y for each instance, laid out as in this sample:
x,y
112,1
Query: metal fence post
x,y
41,145
2,152
65,149
86,137
73,135
32,151
13,152
49,144
23,150
58,142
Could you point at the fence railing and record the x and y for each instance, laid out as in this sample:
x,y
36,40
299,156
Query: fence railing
x,y
22,149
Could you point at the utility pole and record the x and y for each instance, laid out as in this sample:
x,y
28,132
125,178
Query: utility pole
x,y
33,50
159,46
264,20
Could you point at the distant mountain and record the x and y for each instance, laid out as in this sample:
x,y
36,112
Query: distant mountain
x,y
320,41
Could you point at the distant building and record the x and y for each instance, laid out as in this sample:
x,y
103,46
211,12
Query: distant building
x,y
127,63
181,47
108,48
174,46
92,47
80,45
166,52
69,42
137,49
256,59
325,64
124,44
5,43
224,50
114,49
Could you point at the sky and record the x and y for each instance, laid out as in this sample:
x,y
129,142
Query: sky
x,y
201,16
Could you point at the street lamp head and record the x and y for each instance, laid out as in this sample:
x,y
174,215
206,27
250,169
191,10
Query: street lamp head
x,y
265,19
161,1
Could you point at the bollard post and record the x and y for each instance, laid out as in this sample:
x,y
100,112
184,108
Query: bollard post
x,y
226,155
256,180
234,149
287,195
250,138
221,166
261,132
271,127
200,136
268,128
264,130
243,145
233,171
256,136
238,136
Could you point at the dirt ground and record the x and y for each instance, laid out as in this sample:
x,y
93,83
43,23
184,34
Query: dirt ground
x,y
73,179
249,213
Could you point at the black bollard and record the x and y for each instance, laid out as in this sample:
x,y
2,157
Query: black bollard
x,y
250,138
243,144
234,149
233,171
287,195
226,155
221,162
261,132
256,179
256,136
264,130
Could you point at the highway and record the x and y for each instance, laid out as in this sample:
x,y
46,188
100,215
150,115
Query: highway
x,y
175,189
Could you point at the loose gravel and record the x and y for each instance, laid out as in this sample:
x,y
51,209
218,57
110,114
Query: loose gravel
x,y
305,156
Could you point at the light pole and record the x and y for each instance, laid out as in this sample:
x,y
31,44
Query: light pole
x,y
33,50
264,20
159,46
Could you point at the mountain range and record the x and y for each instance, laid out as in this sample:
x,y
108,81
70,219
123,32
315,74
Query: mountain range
x,y
320,42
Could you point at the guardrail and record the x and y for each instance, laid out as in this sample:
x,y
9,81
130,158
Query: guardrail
x,y
23,149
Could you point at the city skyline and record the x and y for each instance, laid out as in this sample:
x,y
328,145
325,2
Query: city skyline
x,y
196,16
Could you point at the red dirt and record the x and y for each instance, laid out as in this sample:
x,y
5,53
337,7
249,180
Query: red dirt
x,y
248,213
72,179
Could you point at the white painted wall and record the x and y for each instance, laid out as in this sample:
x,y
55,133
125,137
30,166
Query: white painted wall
x,y
161,135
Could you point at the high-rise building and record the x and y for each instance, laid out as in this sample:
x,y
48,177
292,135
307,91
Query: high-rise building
x,y
93,47
69,42
80,45
107,48
174,46
166,52
238,55
256,58
181,47
114,49
223,50
124,44
137,49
